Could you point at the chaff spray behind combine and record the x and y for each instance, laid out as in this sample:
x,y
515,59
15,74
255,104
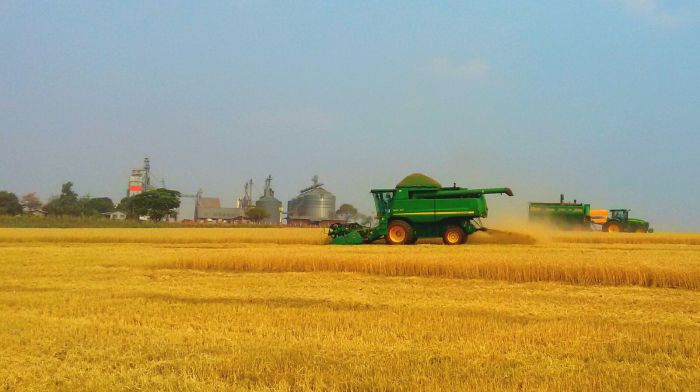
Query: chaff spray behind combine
x,y
419,207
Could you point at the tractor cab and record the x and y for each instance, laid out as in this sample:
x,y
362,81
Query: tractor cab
x,y
619,215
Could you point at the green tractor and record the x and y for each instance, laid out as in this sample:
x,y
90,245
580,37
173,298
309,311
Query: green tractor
x,y
419,207
619,221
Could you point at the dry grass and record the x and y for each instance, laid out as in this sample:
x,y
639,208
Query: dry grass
x,y
196,313
165,236
628,238
648,268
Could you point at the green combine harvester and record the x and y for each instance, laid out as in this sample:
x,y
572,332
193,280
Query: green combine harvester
x,y
419,207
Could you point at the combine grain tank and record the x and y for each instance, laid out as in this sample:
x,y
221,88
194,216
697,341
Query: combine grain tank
x,y
270,204
314,206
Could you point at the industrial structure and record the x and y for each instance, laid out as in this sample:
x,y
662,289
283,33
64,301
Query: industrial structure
x,y
419,207
246,201
140,179
209,210
271,206
313,206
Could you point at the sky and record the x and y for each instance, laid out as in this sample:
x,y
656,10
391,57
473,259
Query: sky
x,y
599,99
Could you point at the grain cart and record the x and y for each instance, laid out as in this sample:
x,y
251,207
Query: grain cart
x,y
579,216
419,207
562,215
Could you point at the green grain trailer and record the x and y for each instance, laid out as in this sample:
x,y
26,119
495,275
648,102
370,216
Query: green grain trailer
x,y
419,207
562,215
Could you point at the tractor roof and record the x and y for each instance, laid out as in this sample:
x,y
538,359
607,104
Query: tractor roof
x,y
418,180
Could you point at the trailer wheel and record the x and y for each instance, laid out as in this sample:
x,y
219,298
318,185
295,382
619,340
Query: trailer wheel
x,y
612,227
454,235
399,233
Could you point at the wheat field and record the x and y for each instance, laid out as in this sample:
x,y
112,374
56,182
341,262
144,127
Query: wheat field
x,y
278,310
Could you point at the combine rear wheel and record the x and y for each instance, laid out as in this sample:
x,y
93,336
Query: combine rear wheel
x,y
399,233
454,235
612,227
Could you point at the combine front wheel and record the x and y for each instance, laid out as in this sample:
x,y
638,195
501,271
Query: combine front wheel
x,y
454,235
399,233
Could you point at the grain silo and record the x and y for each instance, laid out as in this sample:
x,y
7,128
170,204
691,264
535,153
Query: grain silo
x,y
313,206
140,179
270,204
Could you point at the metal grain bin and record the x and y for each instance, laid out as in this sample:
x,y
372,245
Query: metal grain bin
x,y
313,205
270,204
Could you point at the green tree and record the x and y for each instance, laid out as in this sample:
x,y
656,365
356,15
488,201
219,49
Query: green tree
x,y
53,206
9,204
126,205
85,210
65,204
156,204
346,212
96,205
256,214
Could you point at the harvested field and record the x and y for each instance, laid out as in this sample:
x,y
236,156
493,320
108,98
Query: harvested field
x,y
275,309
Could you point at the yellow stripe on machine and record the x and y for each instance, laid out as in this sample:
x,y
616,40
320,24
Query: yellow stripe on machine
x,y
435,213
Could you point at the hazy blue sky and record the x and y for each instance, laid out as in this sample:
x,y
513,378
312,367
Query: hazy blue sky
x,y
598,99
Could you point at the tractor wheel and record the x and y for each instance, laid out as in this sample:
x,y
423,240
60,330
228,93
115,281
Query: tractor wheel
x,y
640,230
612,227
399,233
454,235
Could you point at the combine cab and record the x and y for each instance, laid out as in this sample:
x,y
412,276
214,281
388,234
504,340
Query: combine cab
x,y
419,207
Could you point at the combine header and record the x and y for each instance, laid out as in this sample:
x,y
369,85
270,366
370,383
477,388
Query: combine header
x,y
419,207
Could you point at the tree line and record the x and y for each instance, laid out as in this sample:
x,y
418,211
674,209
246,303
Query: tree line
x,y
156,204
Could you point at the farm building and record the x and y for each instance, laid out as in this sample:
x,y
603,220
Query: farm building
x,y
209,210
